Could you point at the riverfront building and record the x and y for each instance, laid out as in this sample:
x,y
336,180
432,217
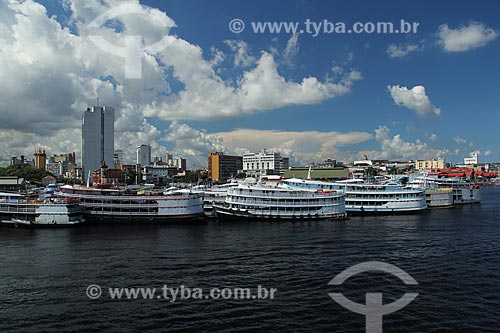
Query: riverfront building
x,y
430,164
222,167
143,155
98,131
270,162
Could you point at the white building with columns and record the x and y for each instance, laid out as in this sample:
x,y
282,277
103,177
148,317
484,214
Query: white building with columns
x,y
270,162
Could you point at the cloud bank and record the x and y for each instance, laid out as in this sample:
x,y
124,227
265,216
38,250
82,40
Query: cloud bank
x,y
51,73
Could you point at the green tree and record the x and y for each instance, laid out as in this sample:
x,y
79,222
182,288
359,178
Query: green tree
x,y
371,172
240,175
25,171
131,176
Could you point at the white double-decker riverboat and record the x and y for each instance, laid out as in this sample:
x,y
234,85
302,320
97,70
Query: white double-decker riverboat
x,y
135,205
366,198
21,210
280,203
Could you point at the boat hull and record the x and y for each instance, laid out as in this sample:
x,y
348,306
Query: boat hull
x,y
23,223
373,211
224,213
153,219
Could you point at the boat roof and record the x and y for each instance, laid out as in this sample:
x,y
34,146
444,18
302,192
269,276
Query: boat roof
x,y
8,194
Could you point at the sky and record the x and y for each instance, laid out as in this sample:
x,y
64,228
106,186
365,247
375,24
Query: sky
x,y
184,77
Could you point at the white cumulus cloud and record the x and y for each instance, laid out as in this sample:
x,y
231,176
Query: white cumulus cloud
x,y
414,99
433,137
206,96
399,51
465,38
242,57
459,140
396,148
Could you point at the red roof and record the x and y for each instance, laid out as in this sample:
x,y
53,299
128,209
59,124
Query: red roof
x,y
452,174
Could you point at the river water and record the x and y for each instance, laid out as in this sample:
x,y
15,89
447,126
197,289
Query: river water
x,y
453,254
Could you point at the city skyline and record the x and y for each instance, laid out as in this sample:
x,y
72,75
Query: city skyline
x,y
419,95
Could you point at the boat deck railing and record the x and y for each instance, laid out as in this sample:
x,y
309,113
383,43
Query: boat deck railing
x,y
284,194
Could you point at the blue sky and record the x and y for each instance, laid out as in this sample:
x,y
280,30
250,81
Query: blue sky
x,y
435,94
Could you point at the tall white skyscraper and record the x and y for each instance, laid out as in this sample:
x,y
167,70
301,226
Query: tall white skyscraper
x,y
98,138
144,155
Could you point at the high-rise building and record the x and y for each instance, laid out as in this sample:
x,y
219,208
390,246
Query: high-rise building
x,y
144,155
98,138
169,159
118,158
60,168
157,160
222,167
180,163
39,159
69,157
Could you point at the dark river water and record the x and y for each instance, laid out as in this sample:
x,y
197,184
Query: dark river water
x,y
453,254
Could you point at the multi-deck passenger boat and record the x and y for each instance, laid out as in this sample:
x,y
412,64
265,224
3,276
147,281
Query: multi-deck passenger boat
x,y
435,195
462,192
280,203
135,205
363,198
18,210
